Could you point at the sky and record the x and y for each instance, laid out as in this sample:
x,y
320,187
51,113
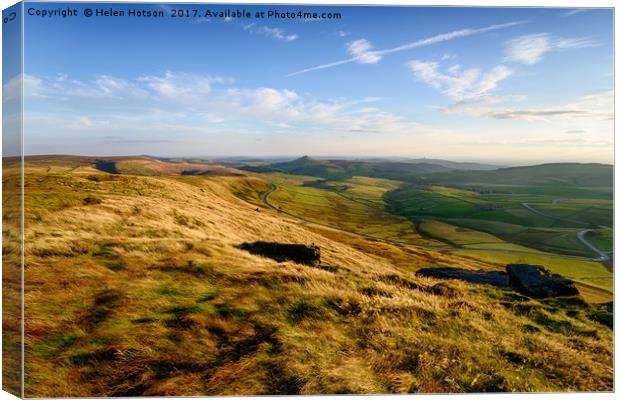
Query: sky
x,y
506,85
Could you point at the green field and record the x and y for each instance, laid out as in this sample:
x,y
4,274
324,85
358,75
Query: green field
x,y
452,217
548,224
541,208
360,211
467,238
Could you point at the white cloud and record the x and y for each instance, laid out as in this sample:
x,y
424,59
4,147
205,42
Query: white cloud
x,y
180,86
448,56
412,45
530,49
456,83
12,89
86,121
361,51
274,33
179,99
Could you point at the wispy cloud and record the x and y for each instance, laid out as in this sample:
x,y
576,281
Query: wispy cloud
x,y
530,49
597,106
137,141
448,56
176,99
274,33
541,143
540,114
457,83
570,13
363,57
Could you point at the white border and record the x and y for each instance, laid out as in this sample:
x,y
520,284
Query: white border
x,y
478,3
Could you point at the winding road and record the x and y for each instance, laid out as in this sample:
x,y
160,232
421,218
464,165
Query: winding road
x,y
581,235
603,256
536,211
274,187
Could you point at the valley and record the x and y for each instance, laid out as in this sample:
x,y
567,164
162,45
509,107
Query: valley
x,y
476,219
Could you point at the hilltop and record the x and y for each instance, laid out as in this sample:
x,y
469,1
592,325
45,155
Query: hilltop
x,y
137,283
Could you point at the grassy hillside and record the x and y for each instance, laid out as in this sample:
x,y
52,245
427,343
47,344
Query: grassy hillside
x,y
361,212
149,166
11,277
136,285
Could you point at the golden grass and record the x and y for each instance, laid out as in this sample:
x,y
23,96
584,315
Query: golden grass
x,y
11,278
146,293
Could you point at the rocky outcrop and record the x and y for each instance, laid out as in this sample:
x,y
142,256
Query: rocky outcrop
x,y
299,253
536,281
531,280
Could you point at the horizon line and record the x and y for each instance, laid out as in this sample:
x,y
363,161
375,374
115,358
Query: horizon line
x,y
499,163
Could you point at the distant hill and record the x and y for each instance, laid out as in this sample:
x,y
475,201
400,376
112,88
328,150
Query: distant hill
x,y
149,166
453,165
134,165
557,174
342,169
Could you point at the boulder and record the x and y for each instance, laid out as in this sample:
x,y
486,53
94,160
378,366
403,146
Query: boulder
x,y
299,253
536,281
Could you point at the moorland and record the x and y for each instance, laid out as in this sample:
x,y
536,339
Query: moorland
x,y
141,279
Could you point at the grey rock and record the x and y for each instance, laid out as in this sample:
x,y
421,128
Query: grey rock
x,y
536,281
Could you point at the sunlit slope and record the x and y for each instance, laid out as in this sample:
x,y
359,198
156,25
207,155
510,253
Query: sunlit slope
x,y
359,210
11,276
135,286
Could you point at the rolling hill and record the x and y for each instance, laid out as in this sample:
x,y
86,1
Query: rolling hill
x,y
546,177
454,165
343,169
138,284
574,175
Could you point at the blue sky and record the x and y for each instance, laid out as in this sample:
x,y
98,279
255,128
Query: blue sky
x,y
494,84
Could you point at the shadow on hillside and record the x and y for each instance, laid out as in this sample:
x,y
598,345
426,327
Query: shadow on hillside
x,y
495,278
106,166
299,253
